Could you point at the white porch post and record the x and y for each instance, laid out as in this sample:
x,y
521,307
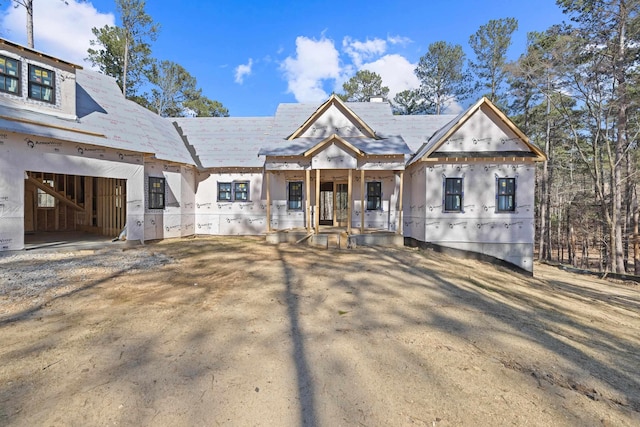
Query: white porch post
x,y
307,201
399,229
362,206
268,201
317,217
349,200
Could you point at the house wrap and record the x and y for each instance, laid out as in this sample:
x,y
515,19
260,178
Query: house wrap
x,y
76,155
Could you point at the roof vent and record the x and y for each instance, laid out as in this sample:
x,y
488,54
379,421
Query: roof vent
x,y
376,98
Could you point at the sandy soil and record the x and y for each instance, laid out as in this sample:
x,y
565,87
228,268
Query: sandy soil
x,y
233,331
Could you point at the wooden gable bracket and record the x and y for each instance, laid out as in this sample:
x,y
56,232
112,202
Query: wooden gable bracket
x,y
329,140
539,155
333,99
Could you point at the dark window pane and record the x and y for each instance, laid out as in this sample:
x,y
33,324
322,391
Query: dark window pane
x,y
453,194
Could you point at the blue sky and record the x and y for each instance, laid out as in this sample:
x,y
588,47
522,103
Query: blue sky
x,y
253,55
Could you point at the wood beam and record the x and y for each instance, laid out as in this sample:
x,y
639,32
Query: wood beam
x,y
268,201
307,201
49,190
317,216
349,199
362,210
399,229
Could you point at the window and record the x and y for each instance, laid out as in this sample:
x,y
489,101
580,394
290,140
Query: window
x,y
41,84
295,195
506,195
374,195
224,191
453,194
156,192
241,191
9,75
237,191
46,200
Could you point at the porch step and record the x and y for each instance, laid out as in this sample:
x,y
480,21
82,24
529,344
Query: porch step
x,y
335,239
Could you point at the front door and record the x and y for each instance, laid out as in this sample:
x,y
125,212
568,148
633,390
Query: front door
x,y
341,204
334,204
326,203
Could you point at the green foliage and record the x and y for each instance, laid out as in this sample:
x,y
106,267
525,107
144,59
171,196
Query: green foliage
x,y
443,75
124,52
409,102
363,86
490,44
175,94
205,107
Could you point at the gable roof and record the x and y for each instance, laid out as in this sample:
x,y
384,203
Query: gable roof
x,y
333,100
450,128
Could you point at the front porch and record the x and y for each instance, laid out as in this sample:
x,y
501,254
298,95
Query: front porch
x,y
336,237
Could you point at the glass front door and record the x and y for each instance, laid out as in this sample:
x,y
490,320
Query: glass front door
x,y
342,204
326,203
334,203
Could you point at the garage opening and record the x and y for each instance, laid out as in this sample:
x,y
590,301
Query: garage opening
x,y
60,203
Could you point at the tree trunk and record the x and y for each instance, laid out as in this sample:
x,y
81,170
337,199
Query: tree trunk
x,y
636,243
545,191
125,65
28,5
620,146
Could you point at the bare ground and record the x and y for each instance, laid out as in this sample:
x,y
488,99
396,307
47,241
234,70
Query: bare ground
x,y
233,331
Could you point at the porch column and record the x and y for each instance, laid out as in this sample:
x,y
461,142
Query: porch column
x,y
399,229
317,217
362,206
268,201
307,202
350,201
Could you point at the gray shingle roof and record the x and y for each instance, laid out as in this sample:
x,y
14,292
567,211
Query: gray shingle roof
x,y
388,145
104,118
226,141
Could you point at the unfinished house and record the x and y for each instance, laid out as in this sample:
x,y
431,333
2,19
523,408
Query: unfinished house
x,y
77,156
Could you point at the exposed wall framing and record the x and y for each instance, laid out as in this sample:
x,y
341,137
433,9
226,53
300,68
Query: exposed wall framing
x,y
59,202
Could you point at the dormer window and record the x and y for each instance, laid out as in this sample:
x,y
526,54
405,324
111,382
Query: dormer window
x,y
9,75
41,84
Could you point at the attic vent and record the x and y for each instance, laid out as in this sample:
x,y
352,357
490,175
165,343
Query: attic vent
x,y
376,98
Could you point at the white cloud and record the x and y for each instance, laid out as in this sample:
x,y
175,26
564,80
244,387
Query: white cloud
x,y
243,70
362,51
399,40
396,72
315,62
60,30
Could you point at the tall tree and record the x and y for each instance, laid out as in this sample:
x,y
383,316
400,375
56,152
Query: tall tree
x,y
124,51
409,102
205,107
173,86
490,44
107,52
137,27
443,75
176,94
363,86
610,34
28,6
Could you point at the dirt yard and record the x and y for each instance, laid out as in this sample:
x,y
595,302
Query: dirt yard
x,y
233,331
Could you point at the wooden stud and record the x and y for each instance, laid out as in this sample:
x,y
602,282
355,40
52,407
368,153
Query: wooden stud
x,y
307,201
362,201
349,200
399,229
268,201
317,216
